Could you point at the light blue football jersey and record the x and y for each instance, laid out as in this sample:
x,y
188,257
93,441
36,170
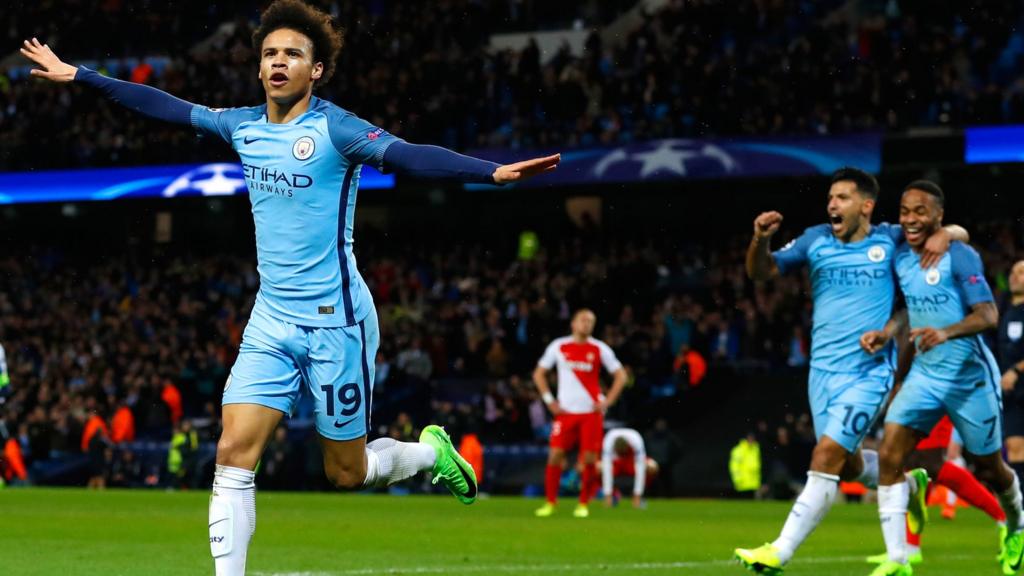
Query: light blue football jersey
x,y
941,296
853,290
303,178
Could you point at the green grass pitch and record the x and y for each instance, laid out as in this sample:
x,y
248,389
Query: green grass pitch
x,y
113,533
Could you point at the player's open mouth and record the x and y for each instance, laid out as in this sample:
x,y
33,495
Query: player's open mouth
x,y
836,220
912,234
278,79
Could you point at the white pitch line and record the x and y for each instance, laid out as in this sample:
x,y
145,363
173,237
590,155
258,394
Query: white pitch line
x,y
513,568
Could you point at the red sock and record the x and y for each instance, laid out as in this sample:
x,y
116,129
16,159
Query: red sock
x,y
587,482
967,487
913,539
552,478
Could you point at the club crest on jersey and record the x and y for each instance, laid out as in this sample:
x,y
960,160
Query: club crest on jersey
x,y
590,356
876,254
1015,330
303,148
932,277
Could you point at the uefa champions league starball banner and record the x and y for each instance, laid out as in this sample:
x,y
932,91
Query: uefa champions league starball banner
x,y
174,181
683,158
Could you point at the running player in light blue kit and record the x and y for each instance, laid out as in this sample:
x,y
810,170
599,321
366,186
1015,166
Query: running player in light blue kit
x,y
853,288
954,373
314,322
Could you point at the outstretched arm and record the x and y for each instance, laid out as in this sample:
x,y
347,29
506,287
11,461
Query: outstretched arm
x,y
140,98
434,162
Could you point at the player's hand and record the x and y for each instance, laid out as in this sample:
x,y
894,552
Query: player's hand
x,y
637,501
526,169
1009,380
874,341
935,248
608,502
555,408
767,224
50,67
602,407
928,338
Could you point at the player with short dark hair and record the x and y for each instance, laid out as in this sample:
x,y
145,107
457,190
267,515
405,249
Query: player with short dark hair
x,y
864,182
580,406
930,188
954,373
853,289
314,324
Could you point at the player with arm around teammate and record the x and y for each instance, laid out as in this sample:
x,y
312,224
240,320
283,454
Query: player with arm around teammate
x,y
314,323
853,289
580,407
949,306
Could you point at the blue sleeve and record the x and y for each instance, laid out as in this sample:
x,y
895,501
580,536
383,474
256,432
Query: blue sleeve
x,y
221,122
140,98
438,163
969,275
358,140
793,255
893,231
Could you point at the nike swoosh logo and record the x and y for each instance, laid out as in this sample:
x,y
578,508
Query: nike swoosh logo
x,y
218,522
250,140
471,492
345,423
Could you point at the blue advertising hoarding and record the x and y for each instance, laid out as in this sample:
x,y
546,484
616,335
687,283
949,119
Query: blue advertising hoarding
x,y
182,180
994,145
677,159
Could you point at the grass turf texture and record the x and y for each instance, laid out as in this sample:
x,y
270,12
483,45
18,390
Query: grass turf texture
x,y
112,533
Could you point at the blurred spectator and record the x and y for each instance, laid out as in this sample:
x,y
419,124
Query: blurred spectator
x,y
181,456
745,467
122,425
691,68
96,443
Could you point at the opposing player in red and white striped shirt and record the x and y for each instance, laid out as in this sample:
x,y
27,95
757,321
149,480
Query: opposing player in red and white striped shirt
x,y
580,407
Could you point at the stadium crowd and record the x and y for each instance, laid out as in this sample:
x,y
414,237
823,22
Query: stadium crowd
x,y
693,68
102,352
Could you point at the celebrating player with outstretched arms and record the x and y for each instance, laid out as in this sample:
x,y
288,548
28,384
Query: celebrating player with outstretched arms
x,y
314,323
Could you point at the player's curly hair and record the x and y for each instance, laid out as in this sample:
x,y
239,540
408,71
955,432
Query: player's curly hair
x,y
317,25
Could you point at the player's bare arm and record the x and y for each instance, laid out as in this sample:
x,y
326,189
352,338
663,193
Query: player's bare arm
x,y
872,342
1012,376
983,316
618,384
760,264
540,379
938,244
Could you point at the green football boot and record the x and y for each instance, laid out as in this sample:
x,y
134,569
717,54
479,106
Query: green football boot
x,y
917,507
762,560
450,468
545,511
888,568
912,559
1013,552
